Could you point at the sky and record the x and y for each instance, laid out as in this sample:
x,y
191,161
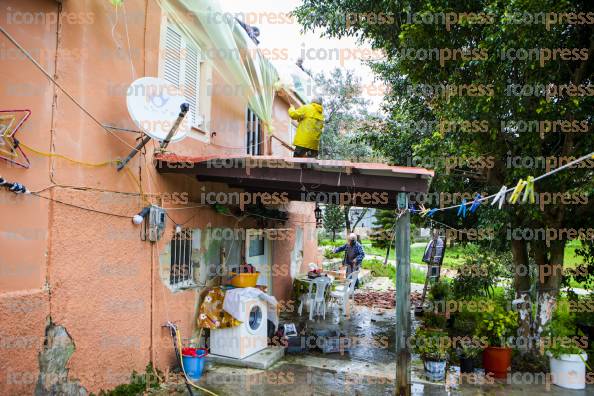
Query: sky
x,y
281,40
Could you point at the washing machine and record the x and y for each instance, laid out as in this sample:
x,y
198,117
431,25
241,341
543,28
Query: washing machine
x,y
249,337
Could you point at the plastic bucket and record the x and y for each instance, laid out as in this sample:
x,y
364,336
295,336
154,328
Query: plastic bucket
x,y
569,371
193,360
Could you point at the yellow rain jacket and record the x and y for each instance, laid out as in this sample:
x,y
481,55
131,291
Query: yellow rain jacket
x,y
311,123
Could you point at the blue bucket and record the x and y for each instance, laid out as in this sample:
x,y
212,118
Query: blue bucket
x,y
193,365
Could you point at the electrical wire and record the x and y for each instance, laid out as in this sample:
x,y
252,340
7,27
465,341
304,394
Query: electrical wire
x,y
81,207
92,164
61,156
80,106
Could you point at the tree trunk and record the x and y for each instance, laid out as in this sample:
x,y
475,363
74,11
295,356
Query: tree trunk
x,y
347,220
388,253
363,213
550,266
333,235
522,287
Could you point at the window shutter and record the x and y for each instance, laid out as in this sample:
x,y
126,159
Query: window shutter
x,y
182,68
173,45
192,80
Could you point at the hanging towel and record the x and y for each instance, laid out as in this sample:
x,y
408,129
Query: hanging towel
x,y
438,251
234,298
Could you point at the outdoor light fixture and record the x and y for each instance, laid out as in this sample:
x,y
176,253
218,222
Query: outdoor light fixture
x,y
138,218
178,229
318,214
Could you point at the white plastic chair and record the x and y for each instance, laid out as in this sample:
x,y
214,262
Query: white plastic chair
x,y
347,292
305,299
317,302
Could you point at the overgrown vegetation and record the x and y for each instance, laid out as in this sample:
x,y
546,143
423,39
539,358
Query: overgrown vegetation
x,y
138,385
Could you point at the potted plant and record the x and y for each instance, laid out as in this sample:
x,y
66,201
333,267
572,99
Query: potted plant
x,y
468,355
464,327
432,346
497,325
567,359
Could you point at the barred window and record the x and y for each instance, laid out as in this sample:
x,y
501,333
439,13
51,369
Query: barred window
x,y
181,274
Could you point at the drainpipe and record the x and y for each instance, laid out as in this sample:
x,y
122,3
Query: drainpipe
x,y
51,203
152,338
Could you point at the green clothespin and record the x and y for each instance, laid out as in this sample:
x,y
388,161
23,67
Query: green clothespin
x,y
517,191
116,3
529,191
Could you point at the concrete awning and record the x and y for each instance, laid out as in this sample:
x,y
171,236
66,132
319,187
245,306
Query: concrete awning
x,y
303,179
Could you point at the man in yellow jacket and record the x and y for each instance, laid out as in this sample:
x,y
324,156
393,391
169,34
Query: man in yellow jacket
x,y
309,130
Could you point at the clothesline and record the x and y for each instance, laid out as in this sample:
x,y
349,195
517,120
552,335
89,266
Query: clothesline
x,y
503,191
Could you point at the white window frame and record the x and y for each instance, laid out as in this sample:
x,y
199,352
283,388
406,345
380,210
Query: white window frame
x,y
201,111
253,131
292,131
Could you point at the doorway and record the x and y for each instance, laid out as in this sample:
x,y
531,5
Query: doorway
x,y
257,253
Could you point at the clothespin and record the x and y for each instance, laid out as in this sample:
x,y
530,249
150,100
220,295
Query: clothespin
x,y
529,191
412,208
500,197
475,203
517,191
462,209
423,211
18,188
431,212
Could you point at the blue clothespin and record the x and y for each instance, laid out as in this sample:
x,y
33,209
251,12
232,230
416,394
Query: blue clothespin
x,y
462,209
411,208
475,203
431,212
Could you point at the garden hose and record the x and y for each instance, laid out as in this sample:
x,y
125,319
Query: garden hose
x,y
179,347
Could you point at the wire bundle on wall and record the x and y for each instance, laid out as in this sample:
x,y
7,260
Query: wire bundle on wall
x,y
16,188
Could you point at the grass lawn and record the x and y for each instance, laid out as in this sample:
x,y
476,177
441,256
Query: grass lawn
x,y
378,269
454,258
456,255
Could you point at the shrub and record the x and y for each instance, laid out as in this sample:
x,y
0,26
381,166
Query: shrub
x,y
479,274
431,344
329,254
497,325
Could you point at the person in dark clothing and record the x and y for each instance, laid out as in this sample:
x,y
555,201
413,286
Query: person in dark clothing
x,y
354,254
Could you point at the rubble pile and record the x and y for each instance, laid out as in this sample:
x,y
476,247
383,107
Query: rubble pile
x,y
382,299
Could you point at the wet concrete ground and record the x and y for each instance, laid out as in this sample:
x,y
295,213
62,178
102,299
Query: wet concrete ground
x,y
368,368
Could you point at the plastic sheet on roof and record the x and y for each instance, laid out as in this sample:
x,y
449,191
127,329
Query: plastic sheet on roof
x,y
292,78
232,52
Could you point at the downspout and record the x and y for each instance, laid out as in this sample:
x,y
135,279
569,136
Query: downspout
x,y
152,338
51,203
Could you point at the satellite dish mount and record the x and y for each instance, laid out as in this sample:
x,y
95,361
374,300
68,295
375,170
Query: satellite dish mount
x,y
184,108
159,109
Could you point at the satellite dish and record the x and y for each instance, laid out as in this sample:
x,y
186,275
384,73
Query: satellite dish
x,y
159,110
154,105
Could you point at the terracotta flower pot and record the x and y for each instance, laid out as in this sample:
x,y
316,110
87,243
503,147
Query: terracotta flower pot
x,y
497,360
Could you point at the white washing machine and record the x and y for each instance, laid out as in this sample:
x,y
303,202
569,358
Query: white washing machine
x,y
249,337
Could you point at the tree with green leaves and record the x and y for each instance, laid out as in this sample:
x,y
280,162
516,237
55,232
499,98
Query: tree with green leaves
x,y
383,231
344,110
470,116
333,219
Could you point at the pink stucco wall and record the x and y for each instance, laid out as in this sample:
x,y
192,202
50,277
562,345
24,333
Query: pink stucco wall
x,y
88,271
